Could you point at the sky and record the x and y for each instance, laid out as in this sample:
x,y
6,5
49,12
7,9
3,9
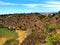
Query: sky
x,y
28,6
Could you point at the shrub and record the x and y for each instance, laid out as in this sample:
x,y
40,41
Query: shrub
x,y
47,25
50,26
11,42
58,26
41,16
1,26
22,28
38,43
52,39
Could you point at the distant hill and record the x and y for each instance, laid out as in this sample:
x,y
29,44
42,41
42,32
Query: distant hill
x,y
37,24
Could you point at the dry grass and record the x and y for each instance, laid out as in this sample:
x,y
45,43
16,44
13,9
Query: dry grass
x,y
22,35
2,40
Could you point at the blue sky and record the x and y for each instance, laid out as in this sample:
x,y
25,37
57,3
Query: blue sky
x,y
27,6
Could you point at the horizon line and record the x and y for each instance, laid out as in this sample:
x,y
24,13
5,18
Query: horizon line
x,y
28,13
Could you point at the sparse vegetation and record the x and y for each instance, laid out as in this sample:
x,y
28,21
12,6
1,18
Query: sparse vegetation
x,y
50,26
1,26
11,42
58,26
38,43
22,28
41,16
52,39
39,27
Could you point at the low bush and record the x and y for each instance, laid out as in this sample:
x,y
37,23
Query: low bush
x,y
22,28
52,39
38,43
50,26
58,26
11,42
1,26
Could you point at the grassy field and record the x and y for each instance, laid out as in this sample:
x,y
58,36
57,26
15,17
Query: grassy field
x,y
7,34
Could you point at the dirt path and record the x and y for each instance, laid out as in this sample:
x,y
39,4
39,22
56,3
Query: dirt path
x,y
22,35
2,40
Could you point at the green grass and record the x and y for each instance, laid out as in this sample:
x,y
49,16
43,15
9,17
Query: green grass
x,y
58,26
5,32
52,39
52,26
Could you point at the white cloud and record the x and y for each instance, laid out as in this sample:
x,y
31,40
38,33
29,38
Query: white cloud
x,y
54,2
5,3
31,5
51,5
26,5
